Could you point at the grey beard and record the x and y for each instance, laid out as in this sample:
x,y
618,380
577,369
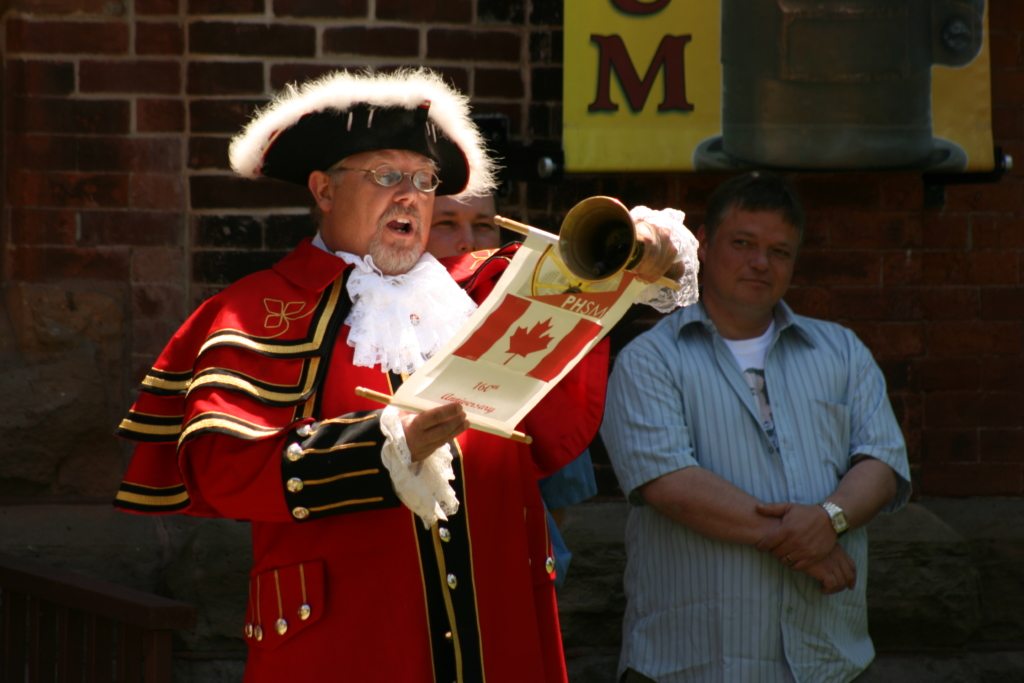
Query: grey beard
x,y
393,260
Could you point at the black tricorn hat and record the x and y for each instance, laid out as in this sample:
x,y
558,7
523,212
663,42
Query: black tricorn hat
x,y
316,125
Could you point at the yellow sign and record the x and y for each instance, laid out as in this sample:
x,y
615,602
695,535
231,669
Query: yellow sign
x,y
659,85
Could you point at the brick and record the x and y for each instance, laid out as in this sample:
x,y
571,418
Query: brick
x,y
949,303
223,267
198,7
928,375
1001,197
54,264
1002,409
875,230
129,77
892,339
546,48
54,227
159,115
225,78
62,7
543,13
501,11
959,339
159,38
953,410
434,11
42,152
283,232
54,115
40,78
385,41
992,267
227,231
68,189
863,268
1007,123
900,268
66,37
1002,445
972,480
859,191
129,154
156,191
503,83
546,84
157,264
1008,86
321,8
151,7
474,46
876,304
815,302
232,192
208,153
221,116
1006,17
902,190
1002,303
946,231
132,228
950,446
1001,373
158,301
252,39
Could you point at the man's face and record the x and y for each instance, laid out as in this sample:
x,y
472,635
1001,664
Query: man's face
x,y
747,264
361,217
462,226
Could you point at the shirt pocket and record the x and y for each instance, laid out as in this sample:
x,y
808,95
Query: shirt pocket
x,y
830,432
284,603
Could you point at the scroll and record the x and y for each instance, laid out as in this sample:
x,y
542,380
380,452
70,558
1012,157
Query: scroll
x,y
532,329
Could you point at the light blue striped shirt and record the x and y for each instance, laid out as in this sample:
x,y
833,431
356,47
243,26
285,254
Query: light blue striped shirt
x,y
700,610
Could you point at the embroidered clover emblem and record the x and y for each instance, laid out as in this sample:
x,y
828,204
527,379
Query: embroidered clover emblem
x,y
280,314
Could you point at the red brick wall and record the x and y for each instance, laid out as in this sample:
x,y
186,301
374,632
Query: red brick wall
x,y
117,116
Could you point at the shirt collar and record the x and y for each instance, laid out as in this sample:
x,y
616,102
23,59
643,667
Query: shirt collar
x,y
786,321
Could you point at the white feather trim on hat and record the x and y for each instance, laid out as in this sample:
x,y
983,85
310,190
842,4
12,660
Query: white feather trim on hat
x,y
339,91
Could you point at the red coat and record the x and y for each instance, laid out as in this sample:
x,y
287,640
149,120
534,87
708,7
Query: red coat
x,y
346,584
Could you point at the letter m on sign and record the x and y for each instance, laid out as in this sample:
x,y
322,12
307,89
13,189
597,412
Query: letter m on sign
x,y
613,56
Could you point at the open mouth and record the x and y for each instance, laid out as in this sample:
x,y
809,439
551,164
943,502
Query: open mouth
x,y
402,226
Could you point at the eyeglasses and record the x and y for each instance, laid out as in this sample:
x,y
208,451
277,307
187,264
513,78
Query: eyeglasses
x,y
424,180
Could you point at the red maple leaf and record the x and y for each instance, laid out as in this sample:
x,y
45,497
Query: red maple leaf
x,y
523,342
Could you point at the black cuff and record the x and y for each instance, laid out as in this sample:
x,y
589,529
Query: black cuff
x,y
334,466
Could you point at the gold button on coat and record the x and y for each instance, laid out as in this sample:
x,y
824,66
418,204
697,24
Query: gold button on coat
x,y
444,534
300,513
305,611
294,452
453,581
282,626
549,564
294,485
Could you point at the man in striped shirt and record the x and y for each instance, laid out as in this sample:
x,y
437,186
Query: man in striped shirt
x,y
754,446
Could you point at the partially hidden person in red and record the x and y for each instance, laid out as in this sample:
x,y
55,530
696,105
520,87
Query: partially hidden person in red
x,y
387,546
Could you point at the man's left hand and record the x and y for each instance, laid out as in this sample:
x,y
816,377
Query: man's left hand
x,y
805,536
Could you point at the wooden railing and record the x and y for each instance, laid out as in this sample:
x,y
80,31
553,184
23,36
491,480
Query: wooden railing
x,y
60,627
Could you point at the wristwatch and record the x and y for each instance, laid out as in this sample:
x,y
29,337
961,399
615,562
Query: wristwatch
x,y
836,516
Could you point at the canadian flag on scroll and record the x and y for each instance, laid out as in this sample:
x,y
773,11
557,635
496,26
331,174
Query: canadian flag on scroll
x,y
536,324
538,341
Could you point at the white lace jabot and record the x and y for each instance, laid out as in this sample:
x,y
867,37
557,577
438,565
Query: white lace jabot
x,y
399,321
